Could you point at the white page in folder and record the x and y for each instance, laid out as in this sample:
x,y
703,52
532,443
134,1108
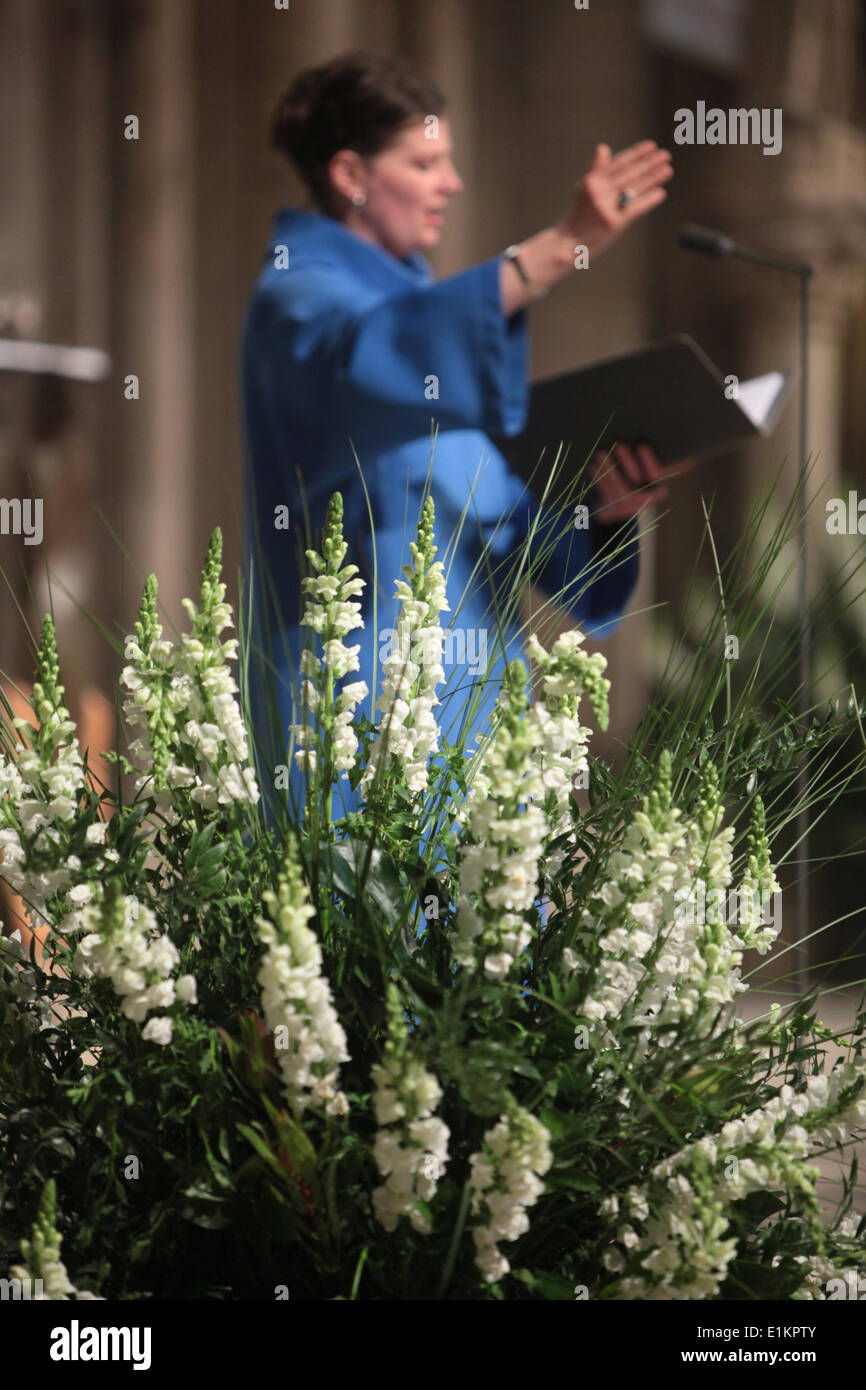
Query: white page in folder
x,y
757,398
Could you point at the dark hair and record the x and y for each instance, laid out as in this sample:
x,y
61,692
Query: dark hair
x,y
358,101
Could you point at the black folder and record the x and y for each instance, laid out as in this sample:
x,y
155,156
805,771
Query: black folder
x,y
669,395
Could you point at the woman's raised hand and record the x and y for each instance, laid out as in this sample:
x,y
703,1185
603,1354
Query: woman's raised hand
x,y
614,192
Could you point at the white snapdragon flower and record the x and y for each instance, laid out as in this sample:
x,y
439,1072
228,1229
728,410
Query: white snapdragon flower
x,y
520,800
506,1179
46,793
411,1145
122,943
566,674
157,1030
186,989
183,698
338,658
667,950
685,1248
331,610
24,996
42,1256
297,1005
408,734
502,840
759,886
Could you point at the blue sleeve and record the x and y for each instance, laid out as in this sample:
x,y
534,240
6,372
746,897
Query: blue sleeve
x,y
444,350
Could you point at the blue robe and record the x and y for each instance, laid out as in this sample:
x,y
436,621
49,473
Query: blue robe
x,y
349,350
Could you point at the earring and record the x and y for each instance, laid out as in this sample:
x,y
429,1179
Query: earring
x,y
359,199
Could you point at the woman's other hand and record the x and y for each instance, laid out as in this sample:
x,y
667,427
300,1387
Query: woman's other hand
x,y
626,480
614,192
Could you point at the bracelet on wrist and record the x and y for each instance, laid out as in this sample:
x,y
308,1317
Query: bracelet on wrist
x,y
536,291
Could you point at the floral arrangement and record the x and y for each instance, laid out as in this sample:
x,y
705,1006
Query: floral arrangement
x,y
464,1044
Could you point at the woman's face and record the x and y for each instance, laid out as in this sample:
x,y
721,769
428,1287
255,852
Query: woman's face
x,y
408,187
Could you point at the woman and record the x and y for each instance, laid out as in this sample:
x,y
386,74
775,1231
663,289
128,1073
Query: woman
x,y
351,348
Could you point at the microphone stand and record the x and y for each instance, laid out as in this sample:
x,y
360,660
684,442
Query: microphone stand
x,y
712,243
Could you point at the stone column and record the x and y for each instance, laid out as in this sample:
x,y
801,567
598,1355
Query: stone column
x,y
24,250
563,110
153,291
808,202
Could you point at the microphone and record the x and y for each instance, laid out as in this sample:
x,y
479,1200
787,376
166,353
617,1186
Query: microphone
x,y
709,242
705,240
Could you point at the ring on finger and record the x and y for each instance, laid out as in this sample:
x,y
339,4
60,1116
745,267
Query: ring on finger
x,y
626,196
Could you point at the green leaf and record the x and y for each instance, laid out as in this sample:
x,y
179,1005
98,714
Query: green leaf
x,y
293,1139
382,884
579,1182
789,1236
748,1279
760,1205
261,1148
551,1286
